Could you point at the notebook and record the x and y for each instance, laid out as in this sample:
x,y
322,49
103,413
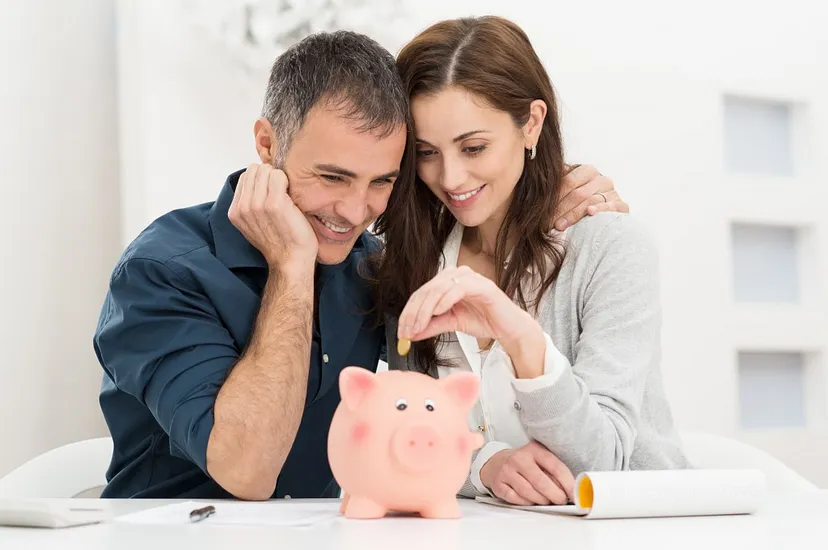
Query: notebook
x,y
659,493
52,514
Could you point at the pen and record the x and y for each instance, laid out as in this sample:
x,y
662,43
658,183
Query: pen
x,y
202,513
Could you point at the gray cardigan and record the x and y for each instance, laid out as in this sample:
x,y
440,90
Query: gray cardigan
x,y
609,411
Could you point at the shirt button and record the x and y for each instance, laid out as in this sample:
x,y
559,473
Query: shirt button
x,y
325,358
481,428
517,405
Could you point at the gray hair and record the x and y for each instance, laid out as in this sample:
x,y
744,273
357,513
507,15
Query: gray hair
x,y
350,70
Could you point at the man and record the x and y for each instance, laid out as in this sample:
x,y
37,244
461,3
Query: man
x,y
226,324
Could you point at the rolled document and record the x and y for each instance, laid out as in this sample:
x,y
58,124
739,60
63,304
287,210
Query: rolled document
x,y
660,493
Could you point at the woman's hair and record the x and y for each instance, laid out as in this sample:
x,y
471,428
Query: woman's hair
x,y
492,58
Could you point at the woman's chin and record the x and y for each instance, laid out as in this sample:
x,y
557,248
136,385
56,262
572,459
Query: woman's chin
x,y
470,218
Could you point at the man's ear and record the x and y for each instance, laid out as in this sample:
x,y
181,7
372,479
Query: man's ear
x,y
265,140
533,126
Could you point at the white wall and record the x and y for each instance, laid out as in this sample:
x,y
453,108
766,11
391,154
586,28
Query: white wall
x,y
641,85
59,228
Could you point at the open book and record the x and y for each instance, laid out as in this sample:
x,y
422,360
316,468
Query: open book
x,y
659,493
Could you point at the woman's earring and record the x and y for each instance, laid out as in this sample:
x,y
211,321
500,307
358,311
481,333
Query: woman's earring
x,y
533,152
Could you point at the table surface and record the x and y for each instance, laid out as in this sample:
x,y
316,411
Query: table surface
x,y
784,521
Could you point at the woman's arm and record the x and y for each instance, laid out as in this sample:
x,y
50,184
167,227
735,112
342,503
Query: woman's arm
x,y
589,416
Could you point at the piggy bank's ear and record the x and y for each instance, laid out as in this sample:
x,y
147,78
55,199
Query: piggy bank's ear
x,y
463,388
355,383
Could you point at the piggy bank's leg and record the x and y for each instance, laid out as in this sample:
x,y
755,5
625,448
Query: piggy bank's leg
x,y
344,503
443,509
363,508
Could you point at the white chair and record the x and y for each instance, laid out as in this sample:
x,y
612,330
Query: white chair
x,y
68,471
717,452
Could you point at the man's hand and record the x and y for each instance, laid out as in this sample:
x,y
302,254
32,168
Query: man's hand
x,y
586,191
265,214
528,475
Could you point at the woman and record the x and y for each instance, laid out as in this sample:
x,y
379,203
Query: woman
x,y
562,327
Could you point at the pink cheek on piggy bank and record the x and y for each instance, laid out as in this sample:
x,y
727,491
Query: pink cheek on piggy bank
x,y
359,433
463,446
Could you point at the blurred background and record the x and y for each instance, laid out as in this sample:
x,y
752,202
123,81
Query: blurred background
x,y
710,116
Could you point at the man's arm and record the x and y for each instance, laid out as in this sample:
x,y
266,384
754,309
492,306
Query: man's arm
x,y
162,341
259,407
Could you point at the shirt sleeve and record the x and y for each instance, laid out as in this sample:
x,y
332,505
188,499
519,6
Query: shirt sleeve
x,y
588,418
162,342
482,456
555,364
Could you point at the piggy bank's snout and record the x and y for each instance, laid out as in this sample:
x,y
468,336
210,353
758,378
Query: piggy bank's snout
x,y
417,447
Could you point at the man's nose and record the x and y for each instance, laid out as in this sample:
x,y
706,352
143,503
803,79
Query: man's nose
x,y
353,207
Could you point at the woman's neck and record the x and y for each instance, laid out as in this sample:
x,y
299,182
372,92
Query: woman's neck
x,y
483,238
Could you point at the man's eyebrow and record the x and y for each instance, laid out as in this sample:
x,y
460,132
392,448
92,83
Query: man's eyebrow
x,y
389,175
461,137
335,169
338,170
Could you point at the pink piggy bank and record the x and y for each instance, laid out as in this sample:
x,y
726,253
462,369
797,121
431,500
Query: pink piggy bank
x,y
399,442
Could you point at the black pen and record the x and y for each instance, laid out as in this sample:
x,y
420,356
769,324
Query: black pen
x,y
202,513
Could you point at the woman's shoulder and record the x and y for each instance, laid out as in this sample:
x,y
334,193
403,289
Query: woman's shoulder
x,y
609,231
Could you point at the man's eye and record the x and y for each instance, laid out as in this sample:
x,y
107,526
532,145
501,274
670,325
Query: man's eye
x,y
331,177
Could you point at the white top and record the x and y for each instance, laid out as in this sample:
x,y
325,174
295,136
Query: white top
x,y
495,414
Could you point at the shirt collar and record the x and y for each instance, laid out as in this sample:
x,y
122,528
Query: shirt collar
x,y
232,249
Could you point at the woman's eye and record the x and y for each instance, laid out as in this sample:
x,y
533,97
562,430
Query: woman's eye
x,y
429,404
424,153
401,404
475,150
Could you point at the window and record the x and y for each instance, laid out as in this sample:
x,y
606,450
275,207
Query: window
x,y
771,390
765,263
758,137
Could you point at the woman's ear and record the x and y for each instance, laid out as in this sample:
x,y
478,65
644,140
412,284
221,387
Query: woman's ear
x,y
533,126
265,140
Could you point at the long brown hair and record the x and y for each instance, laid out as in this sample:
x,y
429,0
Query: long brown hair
x,y
492,58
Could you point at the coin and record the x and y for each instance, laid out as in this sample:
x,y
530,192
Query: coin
x,y
403,346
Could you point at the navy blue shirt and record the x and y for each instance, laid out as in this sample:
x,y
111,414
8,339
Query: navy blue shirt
x,y
180,309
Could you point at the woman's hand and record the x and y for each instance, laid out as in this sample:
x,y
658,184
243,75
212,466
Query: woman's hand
x,y
459,299
528,475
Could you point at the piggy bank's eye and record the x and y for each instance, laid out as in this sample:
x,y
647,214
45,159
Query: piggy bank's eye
x,y
429,404
401,404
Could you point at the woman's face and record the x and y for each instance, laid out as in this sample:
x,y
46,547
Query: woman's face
x,y
468,153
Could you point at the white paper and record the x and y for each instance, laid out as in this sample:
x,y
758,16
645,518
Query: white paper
x,y
663,493
293,514
563,509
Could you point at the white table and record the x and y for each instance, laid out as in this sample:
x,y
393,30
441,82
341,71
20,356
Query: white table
x,y
788,521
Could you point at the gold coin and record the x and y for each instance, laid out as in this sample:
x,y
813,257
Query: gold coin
x,y
403,346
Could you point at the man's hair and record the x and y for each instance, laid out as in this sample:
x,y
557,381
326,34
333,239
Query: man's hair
x,y
349,71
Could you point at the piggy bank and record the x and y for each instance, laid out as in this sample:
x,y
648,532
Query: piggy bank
x,y
399,442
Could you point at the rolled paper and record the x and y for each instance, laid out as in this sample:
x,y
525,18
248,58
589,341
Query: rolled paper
x,y
659,493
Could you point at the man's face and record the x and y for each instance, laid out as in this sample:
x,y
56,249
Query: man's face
x,y
341,178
